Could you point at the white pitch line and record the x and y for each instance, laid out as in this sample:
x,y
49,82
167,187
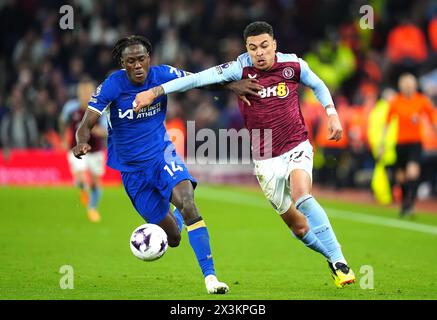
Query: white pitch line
x,y
249,200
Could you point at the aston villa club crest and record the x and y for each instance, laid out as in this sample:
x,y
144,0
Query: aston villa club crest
x,y
288,73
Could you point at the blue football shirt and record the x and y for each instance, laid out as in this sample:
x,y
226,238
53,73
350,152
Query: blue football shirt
x,y
133,139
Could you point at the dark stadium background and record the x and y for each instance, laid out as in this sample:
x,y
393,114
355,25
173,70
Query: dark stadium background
x,y
43,226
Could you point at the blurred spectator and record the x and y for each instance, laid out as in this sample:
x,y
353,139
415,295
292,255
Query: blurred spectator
x,y
101,32
381,182
30,48
405,56
170,47
358,168
46,114
333,61
429,161
428,83
400,51
175,125
376,121
330,171
18,127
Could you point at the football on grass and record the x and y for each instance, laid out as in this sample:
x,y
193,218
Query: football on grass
x,y
148,242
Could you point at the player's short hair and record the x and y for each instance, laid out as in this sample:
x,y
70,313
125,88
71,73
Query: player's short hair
x,y
127,42
86,78
256,28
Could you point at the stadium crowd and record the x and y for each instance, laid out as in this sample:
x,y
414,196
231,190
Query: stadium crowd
x,y
42,65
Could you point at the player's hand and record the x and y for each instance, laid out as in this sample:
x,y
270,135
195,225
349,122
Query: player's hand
x,y
334,127
245,87
81,149
143,99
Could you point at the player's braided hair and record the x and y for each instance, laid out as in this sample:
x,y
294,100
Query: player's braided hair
x,y
256,28
127,42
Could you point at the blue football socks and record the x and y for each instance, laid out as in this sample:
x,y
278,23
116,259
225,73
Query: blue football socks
x,y
95,195
199,241
311,241
319,223
179,219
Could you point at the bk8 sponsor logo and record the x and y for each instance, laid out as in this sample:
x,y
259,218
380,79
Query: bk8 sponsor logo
x,y
281,91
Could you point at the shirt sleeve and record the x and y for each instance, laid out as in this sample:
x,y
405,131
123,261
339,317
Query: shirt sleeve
x,y
230,71
310,79
429,109
168,73
103,96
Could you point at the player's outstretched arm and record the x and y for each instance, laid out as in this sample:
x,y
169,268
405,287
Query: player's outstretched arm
x,y
83,133
241,88
218,74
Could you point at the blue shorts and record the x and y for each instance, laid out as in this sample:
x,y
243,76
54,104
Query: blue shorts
x,y
150,189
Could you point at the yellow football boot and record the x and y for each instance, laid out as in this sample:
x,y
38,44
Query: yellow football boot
x,y
341,274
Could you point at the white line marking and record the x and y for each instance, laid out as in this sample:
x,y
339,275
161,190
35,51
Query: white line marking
x,y
249,200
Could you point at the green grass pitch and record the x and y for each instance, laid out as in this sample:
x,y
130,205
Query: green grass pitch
x,y
42,229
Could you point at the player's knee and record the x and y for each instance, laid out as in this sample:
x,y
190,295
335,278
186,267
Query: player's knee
x,y
298,193
188,208
174,240
300,230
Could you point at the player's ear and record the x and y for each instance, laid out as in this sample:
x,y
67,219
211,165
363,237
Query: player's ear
x,y
122,63
274,44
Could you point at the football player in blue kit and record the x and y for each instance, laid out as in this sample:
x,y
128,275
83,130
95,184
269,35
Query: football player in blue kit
x,y
139,147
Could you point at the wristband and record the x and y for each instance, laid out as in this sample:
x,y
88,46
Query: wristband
x,y
331,111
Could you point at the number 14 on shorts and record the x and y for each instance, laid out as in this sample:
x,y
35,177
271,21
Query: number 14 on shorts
x,y
174,167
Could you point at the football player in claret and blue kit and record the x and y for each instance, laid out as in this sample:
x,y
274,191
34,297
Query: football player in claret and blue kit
x,y
283,164
139,147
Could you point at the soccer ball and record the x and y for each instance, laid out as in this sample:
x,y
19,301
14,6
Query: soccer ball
x,y
148,242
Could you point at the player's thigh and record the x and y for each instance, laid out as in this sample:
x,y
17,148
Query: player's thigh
x,y
175,183
145,198
77,167
300,183
96,163
272,178
300,168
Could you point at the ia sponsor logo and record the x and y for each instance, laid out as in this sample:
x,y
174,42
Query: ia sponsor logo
x,y
144,112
